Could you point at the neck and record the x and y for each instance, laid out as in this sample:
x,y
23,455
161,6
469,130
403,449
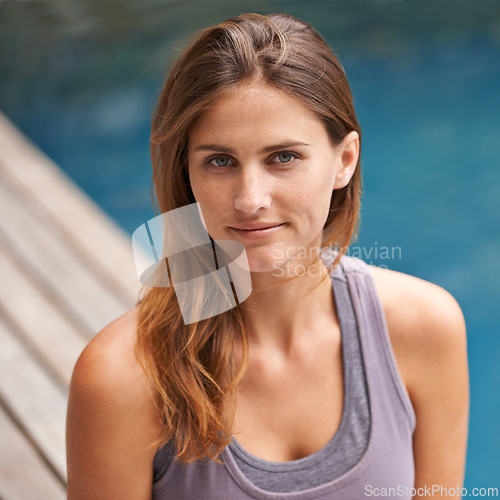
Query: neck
x,y
281,311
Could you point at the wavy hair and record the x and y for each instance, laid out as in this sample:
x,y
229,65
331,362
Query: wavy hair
x,y
193,367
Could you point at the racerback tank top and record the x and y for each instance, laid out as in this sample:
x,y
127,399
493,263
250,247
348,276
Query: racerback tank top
x,y
349,441
372,448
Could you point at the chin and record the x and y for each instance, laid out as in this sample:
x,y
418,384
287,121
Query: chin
x,y
266,263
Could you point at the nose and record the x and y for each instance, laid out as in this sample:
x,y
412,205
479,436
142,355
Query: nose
x,y
252,191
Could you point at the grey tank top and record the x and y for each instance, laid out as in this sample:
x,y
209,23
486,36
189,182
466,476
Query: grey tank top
x,y
372,447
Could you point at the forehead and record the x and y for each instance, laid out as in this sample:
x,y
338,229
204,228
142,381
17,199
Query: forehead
x,y
256,112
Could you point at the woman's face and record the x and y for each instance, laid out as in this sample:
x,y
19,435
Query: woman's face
x,y
262,168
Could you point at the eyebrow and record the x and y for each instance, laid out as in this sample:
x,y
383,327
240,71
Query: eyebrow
x,y
267,149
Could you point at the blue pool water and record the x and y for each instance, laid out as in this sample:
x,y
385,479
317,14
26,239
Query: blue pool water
x,y
81,80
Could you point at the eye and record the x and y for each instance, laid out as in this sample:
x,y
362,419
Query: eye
x,y
285,157
219,161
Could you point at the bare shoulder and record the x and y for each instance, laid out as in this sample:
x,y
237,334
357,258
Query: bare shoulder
x,y
427,331
426,325
112,422
109,358
108,375
416,306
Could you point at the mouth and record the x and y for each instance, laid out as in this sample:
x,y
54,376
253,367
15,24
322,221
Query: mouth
x,y
257,230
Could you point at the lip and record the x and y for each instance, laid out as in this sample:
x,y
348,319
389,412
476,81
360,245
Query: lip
x,y
256,225
258,230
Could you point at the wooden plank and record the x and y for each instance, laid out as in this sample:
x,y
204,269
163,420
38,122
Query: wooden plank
x,y
66,271
100,242
48,333
23,473
36,244
34,399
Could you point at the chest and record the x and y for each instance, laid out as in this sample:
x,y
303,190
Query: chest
x,y
294,411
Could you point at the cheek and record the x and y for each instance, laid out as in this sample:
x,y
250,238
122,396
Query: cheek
x,y
213,201
313,194
320,208
204,191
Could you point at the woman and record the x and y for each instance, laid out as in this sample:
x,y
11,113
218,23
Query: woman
x,y
334,379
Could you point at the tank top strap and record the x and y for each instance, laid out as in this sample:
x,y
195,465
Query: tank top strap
x,y
374,333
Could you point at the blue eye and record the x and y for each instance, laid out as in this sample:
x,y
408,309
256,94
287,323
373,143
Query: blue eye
x,y
285,157
220,161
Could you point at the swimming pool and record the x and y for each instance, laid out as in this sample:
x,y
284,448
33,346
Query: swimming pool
x,y
81,80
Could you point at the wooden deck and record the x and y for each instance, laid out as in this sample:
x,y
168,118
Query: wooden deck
x,y
66,270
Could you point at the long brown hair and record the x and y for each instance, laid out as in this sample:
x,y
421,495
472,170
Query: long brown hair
x,y
192,367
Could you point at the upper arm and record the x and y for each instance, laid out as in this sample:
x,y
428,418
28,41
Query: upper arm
x,y
112,423
440,395
428,332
